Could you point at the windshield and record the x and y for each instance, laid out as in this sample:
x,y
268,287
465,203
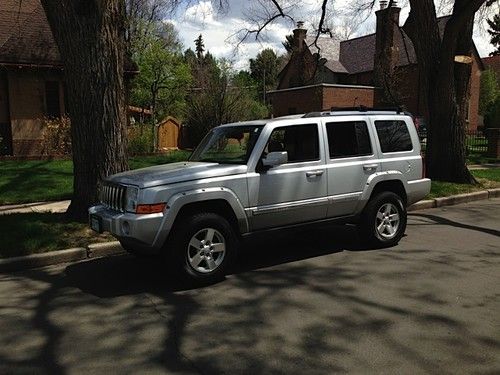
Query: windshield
x,y
228,144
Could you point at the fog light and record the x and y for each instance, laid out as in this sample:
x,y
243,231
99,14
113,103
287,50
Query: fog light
x,y
126,228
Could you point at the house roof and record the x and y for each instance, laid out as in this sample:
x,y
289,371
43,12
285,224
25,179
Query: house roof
x,y
26,38
493,63
328,48
357,55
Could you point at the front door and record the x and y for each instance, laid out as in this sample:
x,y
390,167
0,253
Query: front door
x,y
294,192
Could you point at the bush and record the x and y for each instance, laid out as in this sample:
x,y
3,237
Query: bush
x,y
3,146
140,139
56,138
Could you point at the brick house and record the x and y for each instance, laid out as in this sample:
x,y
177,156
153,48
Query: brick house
x,y
31,76
493,63
343,76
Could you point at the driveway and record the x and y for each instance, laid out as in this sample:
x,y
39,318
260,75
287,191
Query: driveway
x,y
302,302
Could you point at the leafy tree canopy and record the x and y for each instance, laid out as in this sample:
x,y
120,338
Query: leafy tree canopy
x,y
494,31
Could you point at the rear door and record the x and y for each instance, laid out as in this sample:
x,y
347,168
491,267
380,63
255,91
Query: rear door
x,y
351,153
399,145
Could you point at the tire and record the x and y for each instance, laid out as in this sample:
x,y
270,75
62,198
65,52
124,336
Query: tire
x,y
383,221
202,248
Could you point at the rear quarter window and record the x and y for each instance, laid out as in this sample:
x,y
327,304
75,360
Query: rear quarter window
x,y
393,136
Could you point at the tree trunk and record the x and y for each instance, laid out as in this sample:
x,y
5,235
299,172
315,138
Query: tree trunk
x,y
90,37
446,84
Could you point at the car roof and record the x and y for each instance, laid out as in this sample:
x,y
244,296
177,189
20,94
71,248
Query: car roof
x,y
332,113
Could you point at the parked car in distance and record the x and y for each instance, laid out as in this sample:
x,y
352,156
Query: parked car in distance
x,y
350,166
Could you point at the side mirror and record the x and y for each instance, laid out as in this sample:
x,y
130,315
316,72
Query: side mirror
x,y
275,158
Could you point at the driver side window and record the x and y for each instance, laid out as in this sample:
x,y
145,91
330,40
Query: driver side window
x,y
299,141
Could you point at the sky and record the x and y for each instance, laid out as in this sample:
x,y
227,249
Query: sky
x,y
222,30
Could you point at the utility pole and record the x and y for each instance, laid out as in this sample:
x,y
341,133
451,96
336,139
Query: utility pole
x,y
264,84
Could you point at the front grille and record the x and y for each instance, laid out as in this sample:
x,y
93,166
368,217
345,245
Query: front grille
x,y
113,196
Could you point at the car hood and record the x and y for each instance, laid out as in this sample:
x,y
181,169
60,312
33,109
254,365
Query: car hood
x,y
175,172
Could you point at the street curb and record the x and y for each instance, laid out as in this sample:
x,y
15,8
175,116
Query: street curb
x,y
61,256
43,259
105,249
455,199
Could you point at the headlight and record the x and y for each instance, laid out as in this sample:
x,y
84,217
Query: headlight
x,y
131,195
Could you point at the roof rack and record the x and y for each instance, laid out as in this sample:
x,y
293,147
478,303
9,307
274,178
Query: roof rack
x,y
349,110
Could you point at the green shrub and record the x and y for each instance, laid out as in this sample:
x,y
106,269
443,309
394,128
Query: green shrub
x,y
56,138
140,139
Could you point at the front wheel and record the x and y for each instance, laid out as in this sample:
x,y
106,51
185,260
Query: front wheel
x,y
202,248
383,221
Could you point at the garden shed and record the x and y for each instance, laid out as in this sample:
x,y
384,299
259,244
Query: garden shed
x,y
168,133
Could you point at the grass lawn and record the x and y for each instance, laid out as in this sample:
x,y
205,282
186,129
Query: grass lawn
x,y
41,232
487,178
52,180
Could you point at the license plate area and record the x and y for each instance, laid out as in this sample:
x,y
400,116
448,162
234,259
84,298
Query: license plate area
x,y
96,223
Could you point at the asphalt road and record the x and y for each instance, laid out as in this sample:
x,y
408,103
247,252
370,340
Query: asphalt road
x,y
305,303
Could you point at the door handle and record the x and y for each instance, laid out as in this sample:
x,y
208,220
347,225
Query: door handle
x,y
369,167
314,173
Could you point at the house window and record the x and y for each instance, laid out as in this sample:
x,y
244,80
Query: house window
x,y
393,136
348,139
52,105
300,141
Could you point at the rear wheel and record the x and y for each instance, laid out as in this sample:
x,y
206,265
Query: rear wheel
x,y
383,221
202,248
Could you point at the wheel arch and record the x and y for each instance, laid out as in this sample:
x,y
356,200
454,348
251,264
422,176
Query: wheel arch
x,y
220,200
392,181
394,186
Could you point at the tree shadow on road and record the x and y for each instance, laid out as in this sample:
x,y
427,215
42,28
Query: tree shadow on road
x,y
294,303
443,221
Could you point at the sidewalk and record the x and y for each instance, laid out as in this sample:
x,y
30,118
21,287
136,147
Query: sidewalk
x,y
483,166
54,207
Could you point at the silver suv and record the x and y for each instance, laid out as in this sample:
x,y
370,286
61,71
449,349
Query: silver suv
x,y
362,167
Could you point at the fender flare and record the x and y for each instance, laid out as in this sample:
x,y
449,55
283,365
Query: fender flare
x,y
179,200
374,179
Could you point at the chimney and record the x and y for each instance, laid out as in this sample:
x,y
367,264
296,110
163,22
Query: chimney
x,y
386,13
299,37
386,53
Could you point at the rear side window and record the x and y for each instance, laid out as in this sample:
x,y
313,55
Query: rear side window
x,y
300,141
348,139
393,136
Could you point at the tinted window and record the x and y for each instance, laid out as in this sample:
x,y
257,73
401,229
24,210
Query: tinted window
x,y
393,136
300,141
347,139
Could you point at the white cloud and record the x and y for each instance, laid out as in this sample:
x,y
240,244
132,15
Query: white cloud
x,y
220,33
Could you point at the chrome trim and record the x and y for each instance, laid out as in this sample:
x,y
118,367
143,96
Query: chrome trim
x,y
112,196
280,207
344,197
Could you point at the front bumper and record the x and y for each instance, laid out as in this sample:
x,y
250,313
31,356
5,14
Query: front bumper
x,y
142,230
